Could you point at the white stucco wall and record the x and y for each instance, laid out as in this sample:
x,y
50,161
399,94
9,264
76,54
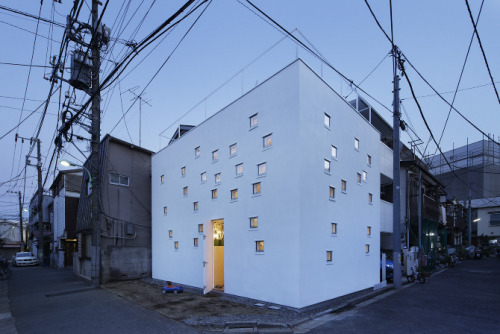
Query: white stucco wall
x,y
294,210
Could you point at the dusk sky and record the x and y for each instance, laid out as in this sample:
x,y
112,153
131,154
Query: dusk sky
x,y
225,43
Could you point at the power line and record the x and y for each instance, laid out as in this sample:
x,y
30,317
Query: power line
x,y
32,16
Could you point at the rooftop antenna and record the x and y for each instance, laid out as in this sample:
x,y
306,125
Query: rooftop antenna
x,y
141,101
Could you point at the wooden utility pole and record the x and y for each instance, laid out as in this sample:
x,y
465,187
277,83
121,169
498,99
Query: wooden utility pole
x,y
41,241
21,220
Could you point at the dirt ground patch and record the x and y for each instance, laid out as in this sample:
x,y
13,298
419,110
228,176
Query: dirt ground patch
x,y
193,309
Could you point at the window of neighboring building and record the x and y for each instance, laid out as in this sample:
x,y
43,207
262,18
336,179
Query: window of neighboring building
x,y
217,178
185,191
195,206
326,120
332,192
327,166
253,222
254,121
183,171
259,246
215,155
162,179
176,244
344,185
164,210
369,230
204,177
239,169
358,175
214,193
267,140
370,198
195,242
261,169
232,150
234,194
367,249
365,176
334,152
200,228
495,219
356,143
197,152
256,188
368,160
119,180
328,256
170,234
334,228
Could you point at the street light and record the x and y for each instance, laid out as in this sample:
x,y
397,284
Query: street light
x,y
67,163
476,220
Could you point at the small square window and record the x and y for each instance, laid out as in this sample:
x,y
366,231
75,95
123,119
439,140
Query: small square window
x,y
334,152
217,178
358,177
170,234
214,193
195,206
183,171
327,166
215,155
328,256
239,169
259,246
365,176
334,228
267,140
356,143
370,198
332,192
176,244
204,177
162,179
232,150
185,191
234,194
344,185
195,242
256,188
253,222
200,228
261,169
369,160
164,210
197,152
327,120
367,248
369,230
254,121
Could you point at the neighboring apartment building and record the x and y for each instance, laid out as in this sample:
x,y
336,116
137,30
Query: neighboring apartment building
x,y
487,218
34,227
10,238
273,198
125,219
66,193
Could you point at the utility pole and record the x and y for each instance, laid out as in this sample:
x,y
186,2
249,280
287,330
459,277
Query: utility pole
x,y
95,272
21,220
396,208
419,209
41,242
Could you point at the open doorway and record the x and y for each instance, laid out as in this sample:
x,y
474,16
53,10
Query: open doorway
x,y
218,237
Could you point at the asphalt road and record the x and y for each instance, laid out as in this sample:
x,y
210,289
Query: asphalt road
x,y
44,300
463,299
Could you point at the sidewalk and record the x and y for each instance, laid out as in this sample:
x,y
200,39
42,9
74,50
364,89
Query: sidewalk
x,y
7,325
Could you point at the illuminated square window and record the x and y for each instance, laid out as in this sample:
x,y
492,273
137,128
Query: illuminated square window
x,y
334,228
204,177
195,206
170,233
176,244
232,150
185,191
239,169
344,185
259,246
334,151
254,121
197,152
214,193
365,176
195,242
256,188
332,192
183,171
370,198
328,256
261,169
234,194
326,120
327,166
369,160
358,177
367,248
164,210
215,155
217,178
356,143
253,222
267,140
369,230
200,228
162,179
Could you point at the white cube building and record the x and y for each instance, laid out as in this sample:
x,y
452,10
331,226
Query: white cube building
x,y
274,198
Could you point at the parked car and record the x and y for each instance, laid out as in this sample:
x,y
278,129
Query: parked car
x,y
389,269
474,252
25,259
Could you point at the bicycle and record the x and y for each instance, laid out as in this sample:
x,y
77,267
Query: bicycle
x,y
5,271
416,276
